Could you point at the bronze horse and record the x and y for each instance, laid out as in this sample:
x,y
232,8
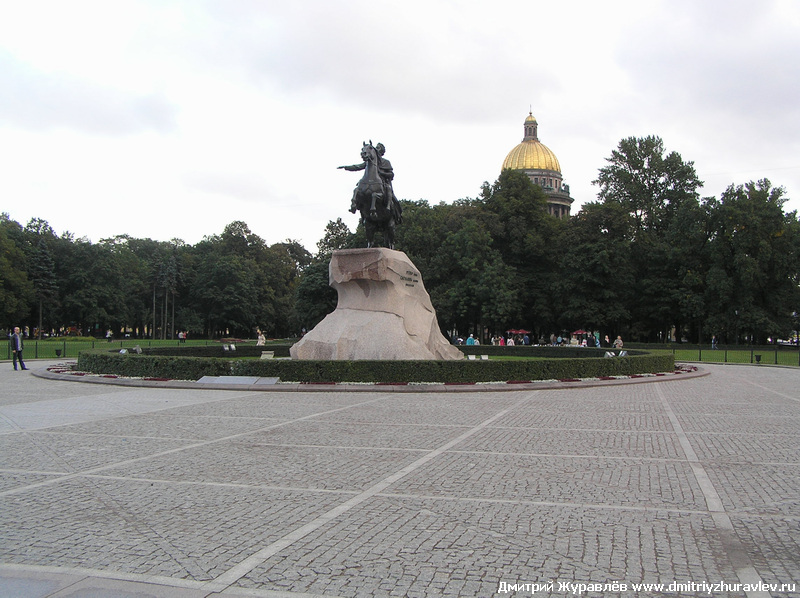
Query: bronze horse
x,y
374,201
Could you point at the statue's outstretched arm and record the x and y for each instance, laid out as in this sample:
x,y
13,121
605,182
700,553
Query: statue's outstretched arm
x,y
361,166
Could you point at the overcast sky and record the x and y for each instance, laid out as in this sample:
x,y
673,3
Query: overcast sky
x,y
172,118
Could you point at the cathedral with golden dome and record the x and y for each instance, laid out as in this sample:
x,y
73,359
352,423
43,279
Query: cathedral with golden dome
x,y
536,160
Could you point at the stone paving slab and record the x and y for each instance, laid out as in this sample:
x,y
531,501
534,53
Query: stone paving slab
x,y
737,422
761,488
51,451
183,492
177,427
251,462
558,478
281,406
456,548
747,447
325,433
600,443
545,414
181,531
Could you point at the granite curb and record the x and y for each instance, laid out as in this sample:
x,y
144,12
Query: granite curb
x,y
694,372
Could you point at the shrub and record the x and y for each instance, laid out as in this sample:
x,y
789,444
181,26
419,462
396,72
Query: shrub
x,y
453,371
468,371
217,350
149,366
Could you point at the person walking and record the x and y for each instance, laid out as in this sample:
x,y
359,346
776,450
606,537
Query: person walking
x,y
17,345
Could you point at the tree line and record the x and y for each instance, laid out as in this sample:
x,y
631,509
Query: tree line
x,y
226,285
649,259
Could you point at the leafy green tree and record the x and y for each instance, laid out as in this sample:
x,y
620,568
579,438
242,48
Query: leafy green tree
x,y
238,239
687,236
752,283
238,284
647,183
337,236
16,289
595,289
43,276
514,211
282,268
226,291
96,294
425,228
314,298
152,283
658,192
476,290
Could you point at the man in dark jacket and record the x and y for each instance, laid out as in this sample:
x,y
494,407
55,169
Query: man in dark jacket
x,y
16,348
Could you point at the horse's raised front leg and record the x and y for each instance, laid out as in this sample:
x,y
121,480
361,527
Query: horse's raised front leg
x,y
373,208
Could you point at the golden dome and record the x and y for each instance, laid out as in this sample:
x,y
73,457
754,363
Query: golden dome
x,y
531,154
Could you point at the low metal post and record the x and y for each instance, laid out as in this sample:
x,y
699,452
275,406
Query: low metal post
x,y
36,349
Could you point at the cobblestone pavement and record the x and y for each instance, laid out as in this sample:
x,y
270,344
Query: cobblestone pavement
x,y
115,491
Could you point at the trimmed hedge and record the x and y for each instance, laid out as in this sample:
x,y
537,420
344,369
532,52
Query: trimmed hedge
x,y
387,372
218,351
152,366
454,371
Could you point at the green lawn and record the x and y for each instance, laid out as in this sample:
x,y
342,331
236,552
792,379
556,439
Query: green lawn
x,y
769,355
69,347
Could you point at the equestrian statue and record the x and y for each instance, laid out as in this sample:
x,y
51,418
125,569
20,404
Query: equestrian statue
x,y
374,196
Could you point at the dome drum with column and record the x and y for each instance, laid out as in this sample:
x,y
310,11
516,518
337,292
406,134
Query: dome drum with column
x,y
542,167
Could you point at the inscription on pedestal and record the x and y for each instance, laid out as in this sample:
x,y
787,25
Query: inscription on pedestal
x,y
411,278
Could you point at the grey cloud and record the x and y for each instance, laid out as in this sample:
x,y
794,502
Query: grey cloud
x,y
244,186
411,62
36,100
719,57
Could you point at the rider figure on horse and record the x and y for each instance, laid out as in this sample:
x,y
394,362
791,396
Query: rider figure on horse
x,y
387,175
